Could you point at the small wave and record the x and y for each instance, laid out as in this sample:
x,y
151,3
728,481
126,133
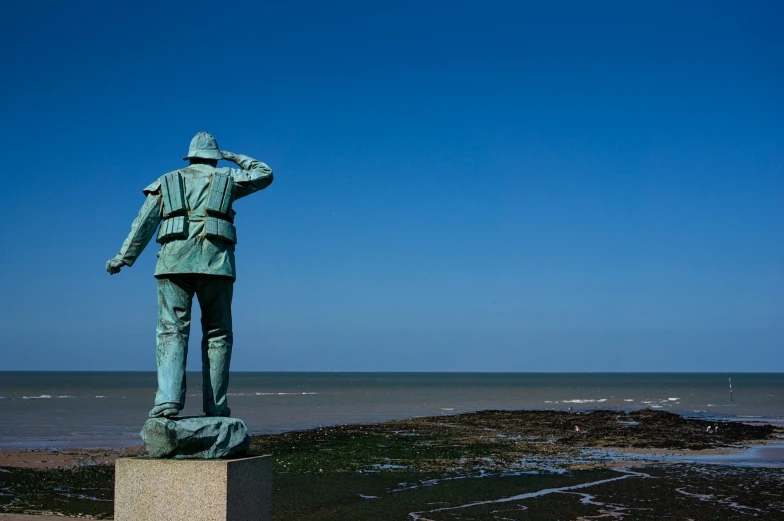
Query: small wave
x,y
584,401
268,394
656,406
281,394
46,397
673,399
601,400
548,401
447,408
100,396
628,399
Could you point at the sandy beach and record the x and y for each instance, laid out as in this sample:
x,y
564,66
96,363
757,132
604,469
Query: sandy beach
x,y
51,458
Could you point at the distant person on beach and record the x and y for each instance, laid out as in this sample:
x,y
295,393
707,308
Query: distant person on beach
x,y
710,429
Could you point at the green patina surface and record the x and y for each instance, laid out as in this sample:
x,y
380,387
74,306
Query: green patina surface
x,y
195,438
192,208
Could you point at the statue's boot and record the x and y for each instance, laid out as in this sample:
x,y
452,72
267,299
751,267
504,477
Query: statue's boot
x,y
225,411
165,410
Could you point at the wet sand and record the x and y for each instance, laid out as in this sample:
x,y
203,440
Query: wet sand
x,y
28,517
488,465
50,458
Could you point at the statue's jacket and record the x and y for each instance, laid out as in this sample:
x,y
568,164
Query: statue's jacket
x,y
193,206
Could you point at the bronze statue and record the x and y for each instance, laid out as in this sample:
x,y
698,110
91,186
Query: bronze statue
x,y
197,237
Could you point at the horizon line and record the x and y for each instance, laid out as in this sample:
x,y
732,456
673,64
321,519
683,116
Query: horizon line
x,y
390,372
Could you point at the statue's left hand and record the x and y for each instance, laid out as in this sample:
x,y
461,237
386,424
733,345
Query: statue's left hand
x,y
114,265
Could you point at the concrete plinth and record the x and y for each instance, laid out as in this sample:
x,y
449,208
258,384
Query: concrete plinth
x,y
193,490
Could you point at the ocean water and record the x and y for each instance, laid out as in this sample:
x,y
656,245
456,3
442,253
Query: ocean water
x,y
106,409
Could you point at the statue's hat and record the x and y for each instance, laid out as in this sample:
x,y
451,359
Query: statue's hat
x,y
204,146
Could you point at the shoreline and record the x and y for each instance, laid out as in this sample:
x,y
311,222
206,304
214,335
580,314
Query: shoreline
x,y
126,443
61,459
70,455
531,460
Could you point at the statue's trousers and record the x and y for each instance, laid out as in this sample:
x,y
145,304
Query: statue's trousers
x,y
175,298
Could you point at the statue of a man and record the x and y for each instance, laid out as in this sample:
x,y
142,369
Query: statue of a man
x,y
197,239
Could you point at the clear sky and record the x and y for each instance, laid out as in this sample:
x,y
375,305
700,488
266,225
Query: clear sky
x,y
492,186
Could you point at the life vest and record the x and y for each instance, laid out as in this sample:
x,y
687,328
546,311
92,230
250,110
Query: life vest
x,y
219,218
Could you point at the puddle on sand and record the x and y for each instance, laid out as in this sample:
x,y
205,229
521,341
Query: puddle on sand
x,y
770,455
626,473
710,498
386,466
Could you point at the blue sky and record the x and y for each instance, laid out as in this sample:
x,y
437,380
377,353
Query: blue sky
x,y
493,186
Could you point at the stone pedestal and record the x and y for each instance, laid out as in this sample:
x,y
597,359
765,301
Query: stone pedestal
x,y
193,490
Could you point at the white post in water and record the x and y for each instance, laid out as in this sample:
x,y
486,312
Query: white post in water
x,y
730,379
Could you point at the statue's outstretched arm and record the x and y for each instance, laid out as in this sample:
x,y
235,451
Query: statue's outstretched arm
x,y
253,176
142,230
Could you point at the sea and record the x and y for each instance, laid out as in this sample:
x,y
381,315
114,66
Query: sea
x,y
107,409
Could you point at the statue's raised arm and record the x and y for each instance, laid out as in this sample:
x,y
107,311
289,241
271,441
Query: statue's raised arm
x,y
252,176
